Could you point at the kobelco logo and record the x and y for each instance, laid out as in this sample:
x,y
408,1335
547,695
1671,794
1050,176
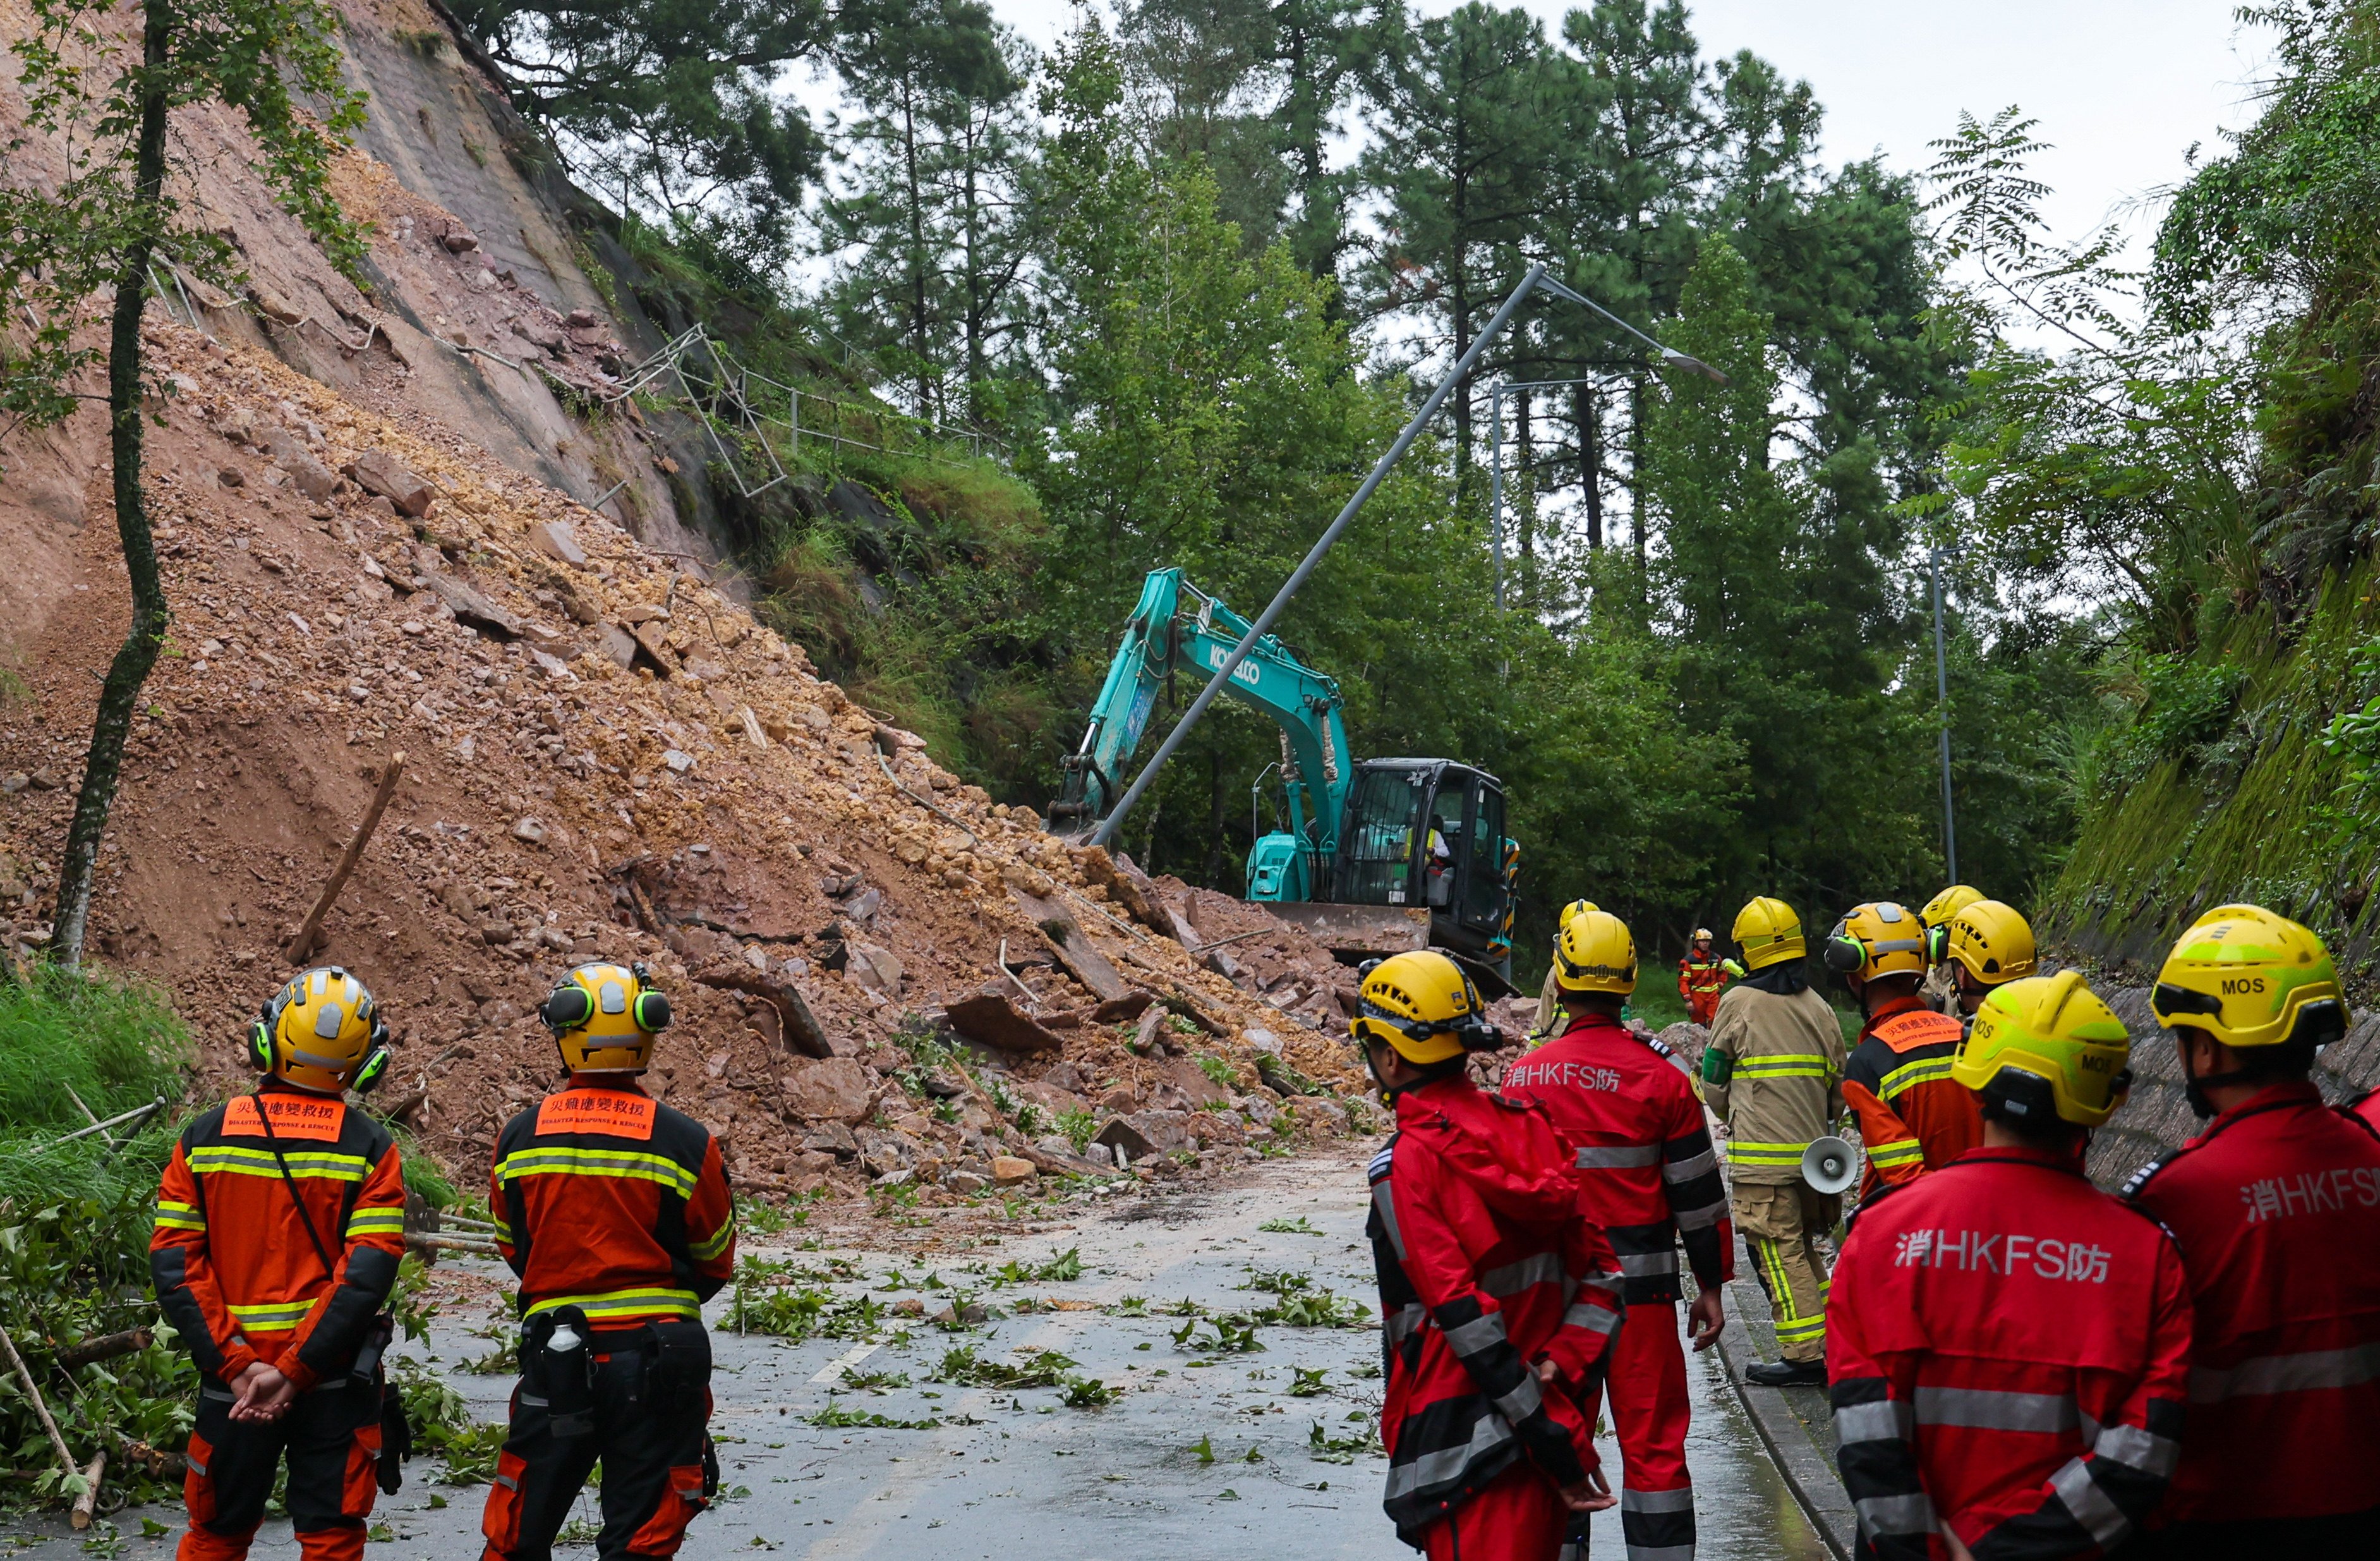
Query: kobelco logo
x,y
1247,672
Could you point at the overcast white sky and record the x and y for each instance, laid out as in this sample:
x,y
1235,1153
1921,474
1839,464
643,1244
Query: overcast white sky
x,y
2123,87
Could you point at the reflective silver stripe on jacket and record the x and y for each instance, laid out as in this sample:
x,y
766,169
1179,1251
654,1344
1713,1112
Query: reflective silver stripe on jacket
x,y
1892,1421
1522,1401
1385,1201
2091,1505
1696,1219
1480,1333
2308,1372
2136,1447
1688,1169
1405,1320
1593,1319
1618,1156
1540,1268
1644,1265
1487,1433
1989,1409
1897,1515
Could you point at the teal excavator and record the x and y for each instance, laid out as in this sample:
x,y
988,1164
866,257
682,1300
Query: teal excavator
x,y
1372,856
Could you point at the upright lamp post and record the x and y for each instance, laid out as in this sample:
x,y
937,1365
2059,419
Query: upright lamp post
x,y
1933,557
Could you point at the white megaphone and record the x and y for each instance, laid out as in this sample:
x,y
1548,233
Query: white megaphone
x,y
1828,1164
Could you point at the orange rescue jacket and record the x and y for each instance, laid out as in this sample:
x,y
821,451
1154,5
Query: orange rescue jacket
x,y
1914,1116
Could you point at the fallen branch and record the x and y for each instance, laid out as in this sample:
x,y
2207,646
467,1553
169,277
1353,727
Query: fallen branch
x,y
311,931
972,842
423,1242
136,1114
104,1347
41,1405
88,1503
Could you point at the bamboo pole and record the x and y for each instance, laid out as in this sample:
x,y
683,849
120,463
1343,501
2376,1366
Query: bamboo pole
x,y
40,1406
310,932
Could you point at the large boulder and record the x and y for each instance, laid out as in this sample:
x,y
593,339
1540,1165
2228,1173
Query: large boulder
x,y
838,1090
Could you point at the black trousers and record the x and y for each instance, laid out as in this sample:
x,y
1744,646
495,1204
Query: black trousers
x,y
331,1438
649,1434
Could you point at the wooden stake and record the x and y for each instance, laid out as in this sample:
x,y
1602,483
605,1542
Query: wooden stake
x,y
88,1503
40,1406
310,932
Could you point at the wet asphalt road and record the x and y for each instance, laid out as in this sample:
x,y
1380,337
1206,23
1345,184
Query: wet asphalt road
x,y
1205,1453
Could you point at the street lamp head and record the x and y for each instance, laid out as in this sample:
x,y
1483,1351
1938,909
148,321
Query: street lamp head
x,y
1687,363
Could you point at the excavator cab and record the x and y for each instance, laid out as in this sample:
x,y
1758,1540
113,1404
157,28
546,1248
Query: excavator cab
x,y
1429,835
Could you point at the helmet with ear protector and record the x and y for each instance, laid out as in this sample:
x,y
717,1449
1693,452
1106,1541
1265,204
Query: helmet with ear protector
x,y
323,1031
1877,939
604,1018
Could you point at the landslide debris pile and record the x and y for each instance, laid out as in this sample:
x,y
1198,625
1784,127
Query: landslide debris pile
x,y
607,756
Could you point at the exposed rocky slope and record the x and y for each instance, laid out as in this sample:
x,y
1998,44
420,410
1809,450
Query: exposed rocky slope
x,y
370,509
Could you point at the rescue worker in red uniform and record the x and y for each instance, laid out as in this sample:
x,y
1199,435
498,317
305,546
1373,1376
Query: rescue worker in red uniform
x,y
2276,1205
2007,1346
280,1224
1912,1118
1628,1115
1498,1301
1702,976
614,1211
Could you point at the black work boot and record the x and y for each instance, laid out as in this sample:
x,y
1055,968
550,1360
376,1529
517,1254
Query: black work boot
x,y
1786,1373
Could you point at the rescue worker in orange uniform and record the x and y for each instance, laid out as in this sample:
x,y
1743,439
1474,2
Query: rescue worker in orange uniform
x,y
2276,1205
2007,1347
1628,1115
614,1211
1912,1118
1498,1301
280,1224
1702,976
1939,991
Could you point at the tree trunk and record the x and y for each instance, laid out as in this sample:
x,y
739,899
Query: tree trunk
x,y
1215,818
1587,413
121,694
916,247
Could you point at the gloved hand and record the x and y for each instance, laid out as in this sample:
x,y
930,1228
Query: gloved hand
x,y
1732,967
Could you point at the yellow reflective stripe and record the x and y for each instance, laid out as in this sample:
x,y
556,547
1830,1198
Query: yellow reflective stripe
x,y
275,1314
218,1158
615,1303
178,1217
558,1160
1794,1333
714,1244
1914,1073
1746,1153
1783,1066
504,1232
374,1222
1898,1152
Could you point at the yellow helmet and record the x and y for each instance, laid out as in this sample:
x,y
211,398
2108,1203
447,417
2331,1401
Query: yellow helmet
x,y
604,1018
1991,940
1877,939
2046,1045
1423,1005
1576,908
1938,910
1596,953
2250,978
323,1032
1769,932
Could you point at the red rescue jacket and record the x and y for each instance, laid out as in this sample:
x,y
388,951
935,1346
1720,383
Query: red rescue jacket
x,y
1914,1117
2007,1350
1486,1270
2277,1206
606,1200
1631,1123
236,1274
2367,1107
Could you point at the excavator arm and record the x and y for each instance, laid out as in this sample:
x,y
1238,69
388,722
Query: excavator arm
x,y
1176,625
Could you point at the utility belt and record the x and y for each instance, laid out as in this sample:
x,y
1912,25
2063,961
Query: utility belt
x,y
669,1361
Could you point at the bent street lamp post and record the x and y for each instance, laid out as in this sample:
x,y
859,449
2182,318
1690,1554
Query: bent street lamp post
x,y
1536,278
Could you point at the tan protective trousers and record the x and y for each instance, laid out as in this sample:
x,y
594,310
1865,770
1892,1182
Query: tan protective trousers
x,y
1781,1227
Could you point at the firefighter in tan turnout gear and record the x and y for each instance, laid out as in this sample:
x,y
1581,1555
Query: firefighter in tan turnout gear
x,y
1773,1073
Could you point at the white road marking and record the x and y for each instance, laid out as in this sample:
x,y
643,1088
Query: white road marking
x,y
832,1370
